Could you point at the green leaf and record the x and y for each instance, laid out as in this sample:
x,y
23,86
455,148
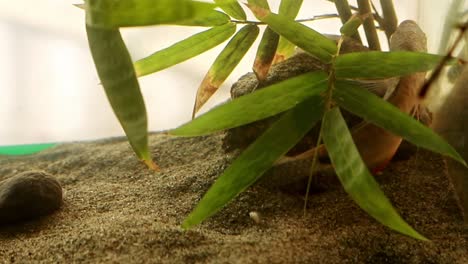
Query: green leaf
x,y
232,8
354,176
209,19
258,158
184,50
17,150
350,28
375,64
260,104
266,49
225,63
289,9
265,53
261,3
115,69
390,118
299,34
129,13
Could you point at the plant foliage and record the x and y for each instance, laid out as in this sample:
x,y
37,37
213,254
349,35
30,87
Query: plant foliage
x,y
302,101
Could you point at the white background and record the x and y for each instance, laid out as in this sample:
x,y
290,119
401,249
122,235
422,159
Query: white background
x,y
49,89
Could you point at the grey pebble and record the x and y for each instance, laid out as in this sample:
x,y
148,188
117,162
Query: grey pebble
x,y
28,195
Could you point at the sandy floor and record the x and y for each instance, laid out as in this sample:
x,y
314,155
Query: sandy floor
x,y
116,211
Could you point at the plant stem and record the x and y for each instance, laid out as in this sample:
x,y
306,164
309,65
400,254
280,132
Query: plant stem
x,y
350,6
450,18
312,170
343,9
369,26
314,18
390,22
345,13
438,70
328,105
377,16
318,17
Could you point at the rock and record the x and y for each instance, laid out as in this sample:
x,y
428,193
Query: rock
x,y
451,122
28,195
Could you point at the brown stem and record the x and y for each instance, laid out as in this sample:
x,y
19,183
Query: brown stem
x,y
369,26
438,70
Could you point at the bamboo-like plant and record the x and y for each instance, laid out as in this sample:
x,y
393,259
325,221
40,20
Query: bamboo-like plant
x,y
301,101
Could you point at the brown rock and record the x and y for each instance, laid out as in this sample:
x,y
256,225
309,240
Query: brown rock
x,y
28,195
451,122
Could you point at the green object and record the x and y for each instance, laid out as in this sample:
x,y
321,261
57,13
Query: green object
x,y
265,53
350,28
115,69
232,8
260,3
376,64
185,49
209,19
390,118
302,36
258,158
260,104
355,177
130,13
18,150
289,9
225,63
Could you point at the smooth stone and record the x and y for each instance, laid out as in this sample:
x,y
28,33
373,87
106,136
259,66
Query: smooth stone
x,y
28,195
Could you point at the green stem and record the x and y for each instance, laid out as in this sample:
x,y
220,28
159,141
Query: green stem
x,y
350,6
318,17
369,26
314,18
390,22
313,167
344,10
328,105
377,16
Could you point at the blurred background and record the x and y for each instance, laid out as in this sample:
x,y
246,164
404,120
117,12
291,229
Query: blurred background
x,y
49,88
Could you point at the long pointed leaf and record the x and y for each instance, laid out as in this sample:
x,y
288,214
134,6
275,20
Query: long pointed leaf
x,y
115,69
128,13
265,53
258,158
184,50
232,8
258,105
303,36
266,49
354,176
261,3
390,118
289,9
225,63
375,64
209,19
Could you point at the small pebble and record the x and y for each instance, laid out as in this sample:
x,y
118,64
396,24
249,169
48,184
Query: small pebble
x,y
255,216
28,195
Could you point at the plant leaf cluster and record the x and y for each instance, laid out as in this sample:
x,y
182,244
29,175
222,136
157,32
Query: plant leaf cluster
x,y
301,101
